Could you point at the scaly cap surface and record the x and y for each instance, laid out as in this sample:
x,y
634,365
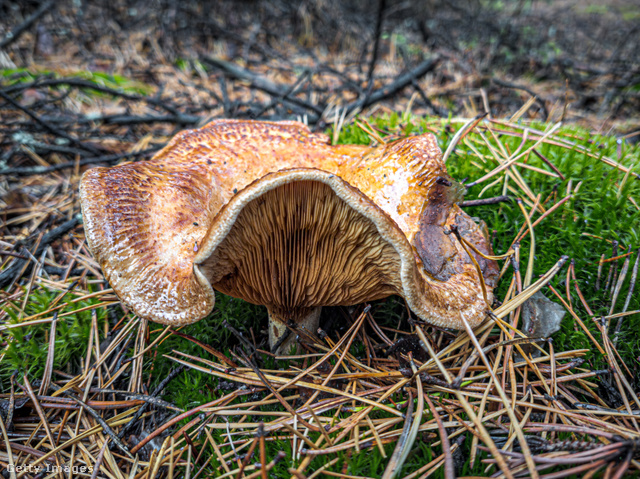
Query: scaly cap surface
x,y
169,231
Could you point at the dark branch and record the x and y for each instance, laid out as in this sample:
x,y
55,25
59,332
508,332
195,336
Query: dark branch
x,y
134,420
539,100
40,170
49,126
303,76
14,34
10,274
436,109
376,45
397,85
260,83
79,83
486,201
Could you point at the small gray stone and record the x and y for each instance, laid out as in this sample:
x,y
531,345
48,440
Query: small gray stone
x,y
541,317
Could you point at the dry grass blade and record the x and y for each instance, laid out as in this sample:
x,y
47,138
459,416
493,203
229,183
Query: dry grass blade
x,y
514,422
460,134
48,368
515,404
403,446
509,162
449,470
519,300
532,253
10,460
481,430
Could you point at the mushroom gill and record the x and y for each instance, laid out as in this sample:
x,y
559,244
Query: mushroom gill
x,y
307,241
273,214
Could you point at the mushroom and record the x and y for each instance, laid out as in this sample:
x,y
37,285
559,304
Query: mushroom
x,y
273,214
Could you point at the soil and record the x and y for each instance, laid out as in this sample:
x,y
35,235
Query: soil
x,y
579,58
97,82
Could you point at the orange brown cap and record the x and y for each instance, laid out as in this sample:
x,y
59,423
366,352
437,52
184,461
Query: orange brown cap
x,y
273,214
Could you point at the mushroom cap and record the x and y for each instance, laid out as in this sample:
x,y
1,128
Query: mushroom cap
x,y
274,214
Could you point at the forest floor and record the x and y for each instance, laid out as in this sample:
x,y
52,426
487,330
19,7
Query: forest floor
x,y
87,83
241,58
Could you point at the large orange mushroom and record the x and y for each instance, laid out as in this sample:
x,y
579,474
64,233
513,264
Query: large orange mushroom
x,y
275,215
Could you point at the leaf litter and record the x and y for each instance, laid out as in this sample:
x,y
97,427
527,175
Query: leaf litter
x,y
497,399
501,395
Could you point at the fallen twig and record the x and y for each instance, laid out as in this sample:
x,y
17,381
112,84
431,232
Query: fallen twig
x,y
9,275
14,34
41,170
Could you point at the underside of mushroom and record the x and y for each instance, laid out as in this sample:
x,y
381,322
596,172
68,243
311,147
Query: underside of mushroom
x,y
299,246
275,215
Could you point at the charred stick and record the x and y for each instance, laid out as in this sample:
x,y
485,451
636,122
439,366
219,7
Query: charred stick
x,y
436,109
400,83
539,100
376,45
486,201
180,119
225,96
303,76
40,170
48,125
7,276
239,335
154,401
105,427
346,81
98,464
14,34
259,82
54,270
79,83
41,147
174,372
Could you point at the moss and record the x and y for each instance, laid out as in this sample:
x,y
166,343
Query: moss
x,y
583,228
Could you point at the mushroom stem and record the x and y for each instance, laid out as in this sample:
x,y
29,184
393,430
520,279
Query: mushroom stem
x,y
309,319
